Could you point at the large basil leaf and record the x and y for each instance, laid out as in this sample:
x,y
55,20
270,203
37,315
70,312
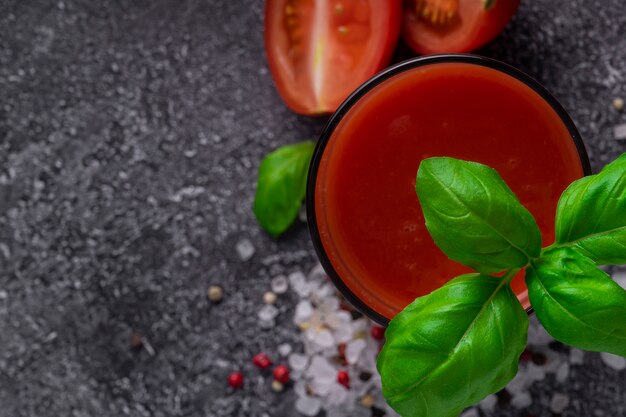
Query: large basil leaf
x,y
281,186
577,303
450,349
474,217
591,215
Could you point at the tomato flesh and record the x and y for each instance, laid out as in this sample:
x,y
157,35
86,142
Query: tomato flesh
x,y
319,51
438,26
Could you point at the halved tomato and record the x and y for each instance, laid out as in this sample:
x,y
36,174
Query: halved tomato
x,y
437,26
319,51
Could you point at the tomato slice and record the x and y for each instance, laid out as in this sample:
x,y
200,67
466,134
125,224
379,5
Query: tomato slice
x,y
319,51
437,26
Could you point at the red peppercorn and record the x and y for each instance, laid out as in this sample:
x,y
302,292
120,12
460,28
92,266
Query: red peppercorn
x,y
235,380
341,350
261,360
526,356
343,378
281,374
377,332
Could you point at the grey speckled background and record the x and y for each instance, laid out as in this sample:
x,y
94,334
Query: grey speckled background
x,y
130,135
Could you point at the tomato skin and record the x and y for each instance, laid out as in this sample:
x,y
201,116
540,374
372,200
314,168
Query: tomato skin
x,y
475,28
313,67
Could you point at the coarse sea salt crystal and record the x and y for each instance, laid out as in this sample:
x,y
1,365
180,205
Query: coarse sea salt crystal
x,y
343,334
620,278
298,283
519,383
279,284
576,356
522,400
472,412
284,349
559,403
354,349
304,310
321,370
619,132
489,403
535,373
309,406
268,312
245,249
563,372
613,361
324,339
298,362
537,335
338,395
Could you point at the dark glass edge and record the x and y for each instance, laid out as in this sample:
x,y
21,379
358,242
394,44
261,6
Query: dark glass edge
x,y
368,86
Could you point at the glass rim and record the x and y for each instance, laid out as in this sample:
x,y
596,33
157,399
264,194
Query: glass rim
x,y
365,88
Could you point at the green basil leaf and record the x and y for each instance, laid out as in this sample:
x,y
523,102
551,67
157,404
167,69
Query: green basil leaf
x,y
577,303
281,186
474,217
450,349
591,215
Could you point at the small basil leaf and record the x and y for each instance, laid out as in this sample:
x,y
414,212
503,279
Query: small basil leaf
x,y
591,215
450,349
577,303
474,217
281,186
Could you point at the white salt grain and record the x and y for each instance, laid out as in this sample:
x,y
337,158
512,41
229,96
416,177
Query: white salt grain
x,y
324,339
284,349
354,350
279,284
619,132
268,312
562,373
321,370
309,406
559,403
521,400
297,362
489,403
613,361
245,249
620,278
298,283
472,412
576,356
304,309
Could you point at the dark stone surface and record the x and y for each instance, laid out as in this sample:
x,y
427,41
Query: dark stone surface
x,y
130,135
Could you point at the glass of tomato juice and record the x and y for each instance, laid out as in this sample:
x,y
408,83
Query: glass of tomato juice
x,y
364,216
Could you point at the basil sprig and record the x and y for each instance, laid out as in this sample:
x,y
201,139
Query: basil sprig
x,y
453,347
591,215
474,217
281,186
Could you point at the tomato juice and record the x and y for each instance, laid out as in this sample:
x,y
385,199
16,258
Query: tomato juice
x,y
364,215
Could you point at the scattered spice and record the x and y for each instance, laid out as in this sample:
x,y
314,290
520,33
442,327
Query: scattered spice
x,y
281,374
343,378
269,298
215,293
235,380
377,332
262,361
136,341
277,386
367,400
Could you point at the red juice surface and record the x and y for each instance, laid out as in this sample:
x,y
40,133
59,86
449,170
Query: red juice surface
x,y
368,215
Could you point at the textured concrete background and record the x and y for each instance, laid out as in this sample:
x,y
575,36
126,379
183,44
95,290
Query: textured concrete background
x,y
130,135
